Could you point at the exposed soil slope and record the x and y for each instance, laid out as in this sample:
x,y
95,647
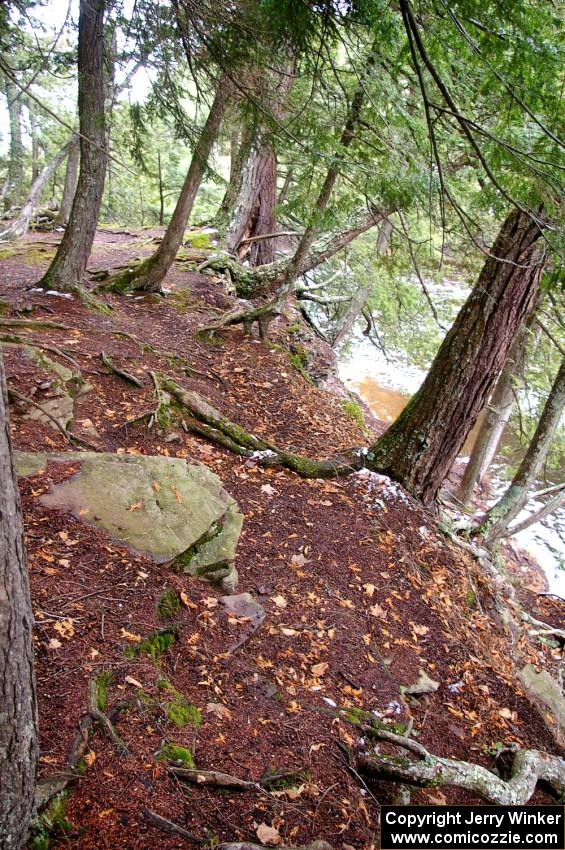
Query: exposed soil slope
x,y
360,587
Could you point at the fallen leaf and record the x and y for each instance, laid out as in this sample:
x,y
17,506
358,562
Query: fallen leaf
x,y
105,813
130,635
137,506
131,681
378,611
54,644
219,710
268,490
156,486
319,669
65,628
268,835
369,588
299,560
420,630
184,598
314,748
279,601
506,713
89,758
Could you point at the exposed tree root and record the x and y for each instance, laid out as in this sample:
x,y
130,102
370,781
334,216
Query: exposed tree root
x,y
48,787
70,438
207,421
14,339
427,770
214,778
121,373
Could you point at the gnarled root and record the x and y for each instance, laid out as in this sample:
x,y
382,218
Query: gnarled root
x,y
205,420
427,770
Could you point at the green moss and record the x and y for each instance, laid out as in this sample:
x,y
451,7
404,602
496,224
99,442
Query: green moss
x,y
155,645
198,239
168,604
294,328
353,409
174,752
50,823
178,709
3,308
299,360
103,680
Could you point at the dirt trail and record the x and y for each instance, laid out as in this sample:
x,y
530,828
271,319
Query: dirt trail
x,y
360,588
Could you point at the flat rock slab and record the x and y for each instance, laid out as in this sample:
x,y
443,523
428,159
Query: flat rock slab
x,y
543,688
161,506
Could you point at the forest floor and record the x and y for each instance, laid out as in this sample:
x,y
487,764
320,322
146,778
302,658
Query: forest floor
x,y
361,589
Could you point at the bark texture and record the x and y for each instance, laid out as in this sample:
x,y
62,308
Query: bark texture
x,y
497,415
69,264
498,518
70,185
150,274
18,715
15,188
420,447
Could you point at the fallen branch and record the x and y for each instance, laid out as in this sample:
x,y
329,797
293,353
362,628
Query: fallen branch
x,y
214,778
528,768
121,373
33,324
170,826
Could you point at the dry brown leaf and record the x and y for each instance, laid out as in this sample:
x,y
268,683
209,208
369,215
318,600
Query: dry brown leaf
x,y
130,635
218,710
268,835
137,506
279,601
65,628
378,611
131,681
89,758
319,669
369,588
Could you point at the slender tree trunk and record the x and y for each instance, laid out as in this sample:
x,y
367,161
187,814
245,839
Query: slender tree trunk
x,y
550,507
420,447
69,264
14,194
70,185
359,298
161,191
239,155
150,274
34,145
18,714
498,412
497,520
19,227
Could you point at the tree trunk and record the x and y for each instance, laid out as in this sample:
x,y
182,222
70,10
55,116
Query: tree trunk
x,y
69,264
498,518
161,191
14,194
70,185
240,144
34,145
18,715
498,412
420,447
359,298
254,212
19,227
150,274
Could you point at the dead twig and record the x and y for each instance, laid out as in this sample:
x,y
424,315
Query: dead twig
x,y
121,373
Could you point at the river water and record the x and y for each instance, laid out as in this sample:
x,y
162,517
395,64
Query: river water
x,y
386,383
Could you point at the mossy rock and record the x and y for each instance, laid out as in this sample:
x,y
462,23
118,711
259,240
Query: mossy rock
x,y
160,506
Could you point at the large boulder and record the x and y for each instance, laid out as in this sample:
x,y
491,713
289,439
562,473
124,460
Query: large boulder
x,y
164,507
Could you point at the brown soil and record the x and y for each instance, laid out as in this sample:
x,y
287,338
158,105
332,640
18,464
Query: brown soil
x,y
360,587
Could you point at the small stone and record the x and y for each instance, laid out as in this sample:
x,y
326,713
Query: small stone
x,y
173,437
424,685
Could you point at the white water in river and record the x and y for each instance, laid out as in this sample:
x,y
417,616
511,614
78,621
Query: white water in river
x,y
386,385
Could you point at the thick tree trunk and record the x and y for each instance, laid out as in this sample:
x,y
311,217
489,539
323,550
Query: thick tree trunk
x,y
70,185
420,447
359,298
150,274
498,412
69,264
19,227
14,194
18,714
254,212
499,517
